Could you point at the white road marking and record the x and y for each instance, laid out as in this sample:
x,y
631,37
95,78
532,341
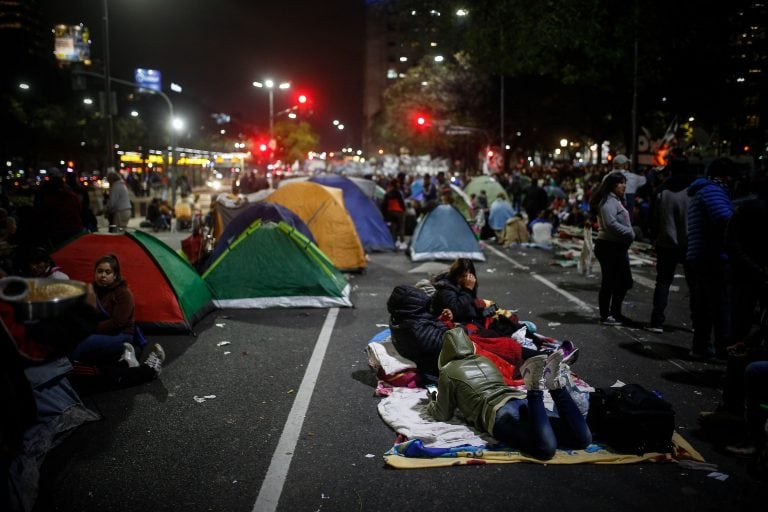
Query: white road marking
x,y
580,303
272,486
626,331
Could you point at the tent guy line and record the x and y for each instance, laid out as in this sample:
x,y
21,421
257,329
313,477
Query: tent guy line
x,y
272,486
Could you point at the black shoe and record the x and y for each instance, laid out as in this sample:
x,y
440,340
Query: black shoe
x,y
627,322
705,357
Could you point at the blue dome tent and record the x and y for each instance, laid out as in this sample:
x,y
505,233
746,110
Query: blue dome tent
x,y
369,223
444,234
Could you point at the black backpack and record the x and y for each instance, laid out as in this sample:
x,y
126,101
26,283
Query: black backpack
x,y
631,419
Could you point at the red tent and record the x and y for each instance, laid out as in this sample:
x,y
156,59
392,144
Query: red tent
x,y
167,291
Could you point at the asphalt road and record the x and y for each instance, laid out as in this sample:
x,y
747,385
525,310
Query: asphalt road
x,y
159,449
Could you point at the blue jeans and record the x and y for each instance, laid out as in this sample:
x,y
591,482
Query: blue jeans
x,y
101,348
667,259
524,424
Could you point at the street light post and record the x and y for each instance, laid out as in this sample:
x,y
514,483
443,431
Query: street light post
x,y
108,94
269,85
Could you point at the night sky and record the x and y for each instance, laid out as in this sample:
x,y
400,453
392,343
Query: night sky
x,y
215,49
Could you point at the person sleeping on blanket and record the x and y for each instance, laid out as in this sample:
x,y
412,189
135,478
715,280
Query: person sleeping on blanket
x,y
470,382
418,335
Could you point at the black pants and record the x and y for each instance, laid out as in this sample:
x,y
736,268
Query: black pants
x,y
710,308
667,259
616,276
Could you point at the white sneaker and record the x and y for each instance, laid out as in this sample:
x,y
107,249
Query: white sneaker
x,y
129,356
155,359
532,371
552,378
610,321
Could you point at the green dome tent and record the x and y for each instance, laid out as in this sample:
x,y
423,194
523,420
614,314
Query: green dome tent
x,y
274,265
488,183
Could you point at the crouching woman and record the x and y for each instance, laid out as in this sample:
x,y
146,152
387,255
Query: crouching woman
x,y
516,417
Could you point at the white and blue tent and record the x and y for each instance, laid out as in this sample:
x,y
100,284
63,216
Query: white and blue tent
x,y
444,234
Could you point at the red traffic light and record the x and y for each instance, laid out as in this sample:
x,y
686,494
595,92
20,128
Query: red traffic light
x,y
420,121
302,99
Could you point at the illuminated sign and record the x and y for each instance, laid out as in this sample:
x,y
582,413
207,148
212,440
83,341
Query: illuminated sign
x,y
148,79
72,43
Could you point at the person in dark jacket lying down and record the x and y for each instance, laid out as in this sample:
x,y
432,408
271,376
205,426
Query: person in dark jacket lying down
x,y
418,335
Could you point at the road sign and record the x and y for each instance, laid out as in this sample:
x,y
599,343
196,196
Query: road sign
x,y
148,79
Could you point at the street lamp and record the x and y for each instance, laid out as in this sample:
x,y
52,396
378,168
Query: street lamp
x,y
110,164
269,85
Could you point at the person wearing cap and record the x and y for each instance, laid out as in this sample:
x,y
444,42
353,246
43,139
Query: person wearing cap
x,y
709,211
634,182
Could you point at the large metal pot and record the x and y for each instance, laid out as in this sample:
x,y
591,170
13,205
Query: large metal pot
x,y
38,299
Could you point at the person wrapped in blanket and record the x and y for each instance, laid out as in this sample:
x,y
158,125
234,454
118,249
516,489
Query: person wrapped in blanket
x,y
418,335
111,351
518,418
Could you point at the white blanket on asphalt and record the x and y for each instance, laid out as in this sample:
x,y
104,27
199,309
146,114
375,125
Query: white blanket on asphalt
x,y
405,410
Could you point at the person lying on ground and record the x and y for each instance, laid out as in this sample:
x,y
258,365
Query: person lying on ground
x,y
471,383
418,335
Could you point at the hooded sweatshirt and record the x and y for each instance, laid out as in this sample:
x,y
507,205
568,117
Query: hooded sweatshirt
x,y
116,301
672,212
470,382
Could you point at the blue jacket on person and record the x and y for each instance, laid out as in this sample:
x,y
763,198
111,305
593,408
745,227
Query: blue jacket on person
x,y
709,210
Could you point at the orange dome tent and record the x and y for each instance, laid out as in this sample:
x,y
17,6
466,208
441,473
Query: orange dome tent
x,y
322,210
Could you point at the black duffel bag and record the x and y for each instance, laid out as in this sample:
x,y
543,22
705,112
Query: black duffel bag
x,y
631,419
